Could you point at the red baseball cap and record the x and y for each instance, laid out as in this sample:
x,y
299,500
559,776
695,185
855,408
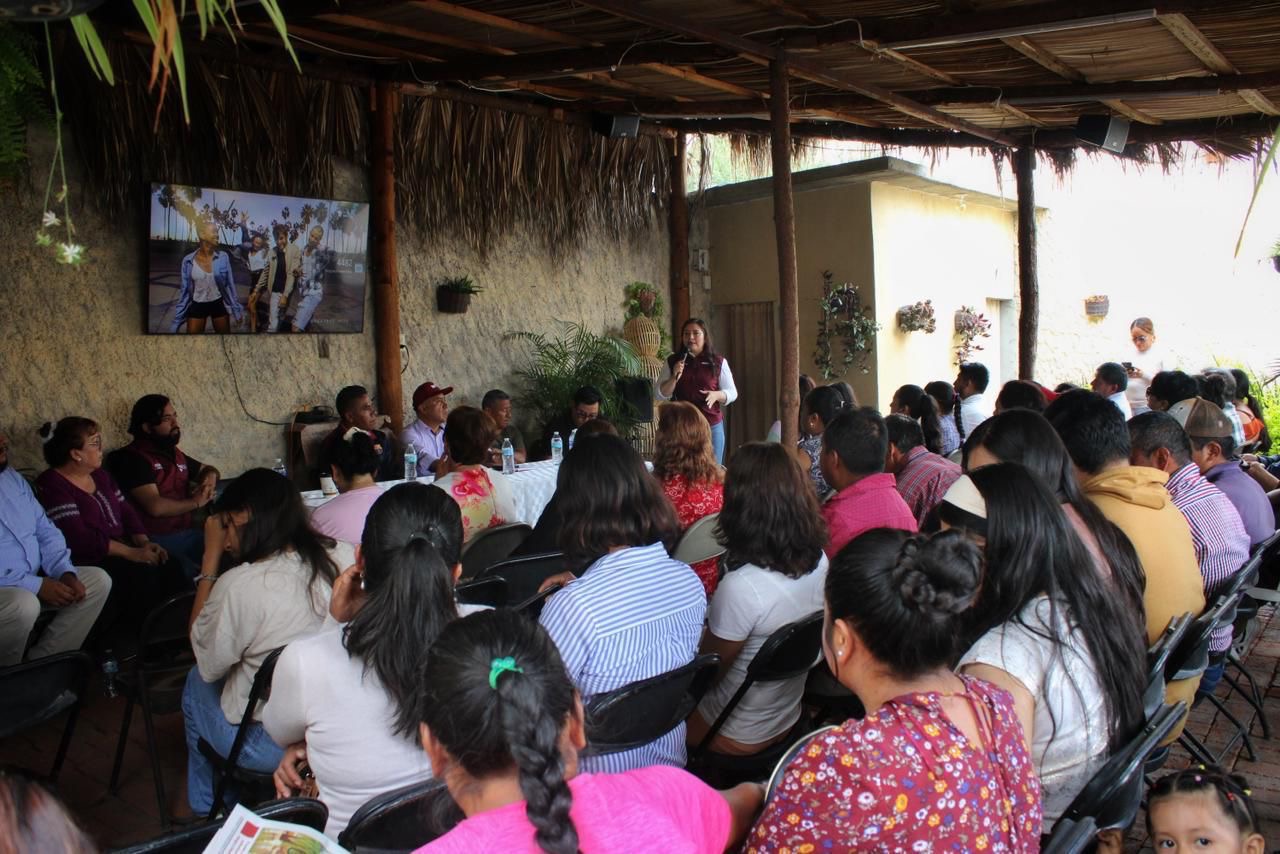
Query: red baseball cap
x,y
428,390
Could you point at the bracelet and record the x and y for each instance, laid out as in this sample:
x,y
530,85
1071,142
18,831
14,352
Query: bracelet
x,y
206,578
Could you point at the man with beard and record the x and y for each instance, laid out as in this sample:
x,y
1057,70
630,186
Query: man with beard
x,y
36,571
163,483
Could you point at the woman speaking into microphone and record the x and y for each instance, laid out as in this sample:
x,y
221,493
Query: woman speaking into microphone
x,y
696,373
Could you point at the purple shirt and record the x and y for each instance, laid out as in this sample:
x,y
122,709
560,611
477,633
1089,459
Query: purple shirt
x,y
924,479
429,445
89,521
872,502
1248,497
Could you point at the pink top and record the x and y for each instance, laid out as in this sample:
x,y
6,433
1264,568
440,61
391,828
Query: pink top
x,y
343,517
872,502
693,501
668,808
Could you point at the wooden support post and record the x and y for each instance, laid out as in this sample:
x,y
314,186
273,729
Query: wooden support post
x,y
386,281
784,222
678,225
1024,165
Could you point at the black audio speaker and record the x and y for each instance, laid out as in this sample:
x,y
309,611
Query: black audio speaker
x,y
637,397
1109,132
615,127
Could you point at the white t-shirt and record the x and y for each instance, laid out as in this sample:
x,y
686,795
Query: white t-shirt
x,y
204,287
1150,363
974,409
750,604
1071,723
324,695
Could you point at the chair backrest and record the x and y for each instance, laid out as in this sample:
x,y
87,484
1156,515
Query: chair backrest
x,y
1114,794
33,692
644,711
307,812
490,590
1158,661
699,541
525,574
403,819
167,626
532,607
1071,836
1192,655
1267,554
259,691
792,752
491,545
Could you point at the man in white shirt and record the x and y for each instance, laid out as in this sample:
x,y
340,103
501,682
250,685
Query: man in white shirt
x,y
971,385
1110,381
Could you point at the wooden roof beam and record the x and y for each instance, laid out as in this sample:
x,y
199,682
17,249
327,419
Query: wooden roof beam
x,y
510,25
1207,52
413,33
1040,55
692,75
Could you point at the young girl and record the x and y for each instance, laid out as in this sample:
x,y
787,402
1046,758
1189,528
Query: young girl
x,y
1203,809
820,407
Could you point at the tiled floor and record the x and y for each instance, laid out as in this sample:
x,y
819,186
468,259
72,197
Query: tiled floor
x,y
132,815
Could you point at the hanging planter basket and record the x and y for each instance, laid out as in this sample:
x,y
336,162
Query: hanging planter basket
x,y
451,301
1097,306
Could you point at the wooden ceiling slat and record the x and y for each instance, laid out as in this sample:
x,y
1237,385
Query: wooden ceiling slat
x,y
690,74
477,16
369,47
414,33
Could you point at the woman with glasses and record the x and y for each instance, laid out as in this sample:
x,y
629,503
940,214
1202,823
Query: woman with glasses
x,y
699,375
1146,361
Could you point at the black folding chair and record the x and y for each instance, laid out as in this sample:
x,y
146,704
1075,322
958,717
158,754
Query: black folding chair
x,y
1246,582
1158,662
226,769
1191,659
1071,837
526,573
532,607
307,812
37,691
402,820
644,711
156,682
491,591
1227,617
491,545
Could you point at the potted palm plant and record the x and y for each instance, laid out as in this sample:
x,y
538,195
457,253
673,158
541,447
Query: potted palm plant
x,y
453,295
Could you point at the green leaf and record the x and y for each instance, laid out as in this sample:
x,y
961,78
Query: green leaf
x,y
1257,188
272,8
91,44
180,68
143,8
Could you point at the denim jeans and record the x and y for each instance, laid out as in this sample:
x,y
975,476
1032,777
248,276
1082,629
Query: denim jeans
x,y
717,441
186,547
202,709
1212,676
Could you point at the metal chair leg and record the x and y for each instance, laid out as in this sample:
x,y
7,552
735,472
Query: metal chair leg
x,y
1241,731
1253,696
114,785
65,743
157,773
1197,749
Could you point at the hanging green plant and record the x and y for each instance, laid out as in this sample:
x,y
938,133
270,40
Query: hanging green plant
x,y
918,317
970,326
642,300
845,320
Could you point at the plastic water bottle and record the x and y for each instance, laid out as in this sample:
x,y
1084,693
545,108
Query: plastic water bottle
x,y
508,457
572,436
410,462
557,447
278,467
110,669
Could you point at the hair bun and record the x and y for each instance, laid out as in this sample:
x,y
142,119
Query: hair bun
x,y
932,587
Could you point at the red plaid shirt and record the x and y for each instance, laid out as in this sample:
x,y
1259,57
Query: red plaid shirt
x,y
924,479
870,503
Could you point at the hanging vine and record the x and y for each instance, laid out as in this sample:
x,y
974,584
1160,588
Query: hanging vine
x,y
843,319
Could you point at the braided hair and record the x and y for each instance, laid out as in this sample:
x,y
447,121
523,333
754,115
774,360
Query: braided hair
x,y
1231,792
496,696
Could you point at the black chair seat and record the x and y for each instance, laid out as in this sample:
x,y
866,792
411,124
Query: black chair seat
x,y
491,591
193,840
644,711
491,545
37,691
402,820
525,574
1071,837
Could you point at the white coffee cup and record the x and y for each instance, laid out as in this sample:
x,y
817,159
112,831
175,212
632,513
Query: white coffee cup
x,y
327,486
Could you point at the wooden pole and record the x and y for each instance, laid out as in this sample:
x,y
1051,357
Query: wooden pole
x,y
784,222
1024,165
386,283
678,225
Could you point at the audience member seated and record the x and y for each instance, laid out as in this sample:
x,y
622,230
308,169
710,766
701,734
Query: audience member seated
x,y
1021,394
32,819
1221,542
584,407
685,463
774,571
920,476
818,409
36,571
483,495
944,395
1110,381
854,447
939,762
102,529
276,592
353,462
1022,436
496,403
355,409
431,405
1168,388
913,402
1048,630
635,612
972,407
1252,415
1219,388
393,602
546,534
503,727
165,485
1135,499
1214,452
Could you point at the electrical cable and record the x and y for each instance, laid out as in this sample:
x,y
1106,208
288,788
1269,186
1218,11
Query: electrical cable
x,y
236,382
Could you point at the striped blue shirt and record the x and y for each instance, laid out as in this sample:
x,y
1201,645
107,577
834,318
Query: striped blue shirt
x,y
635,613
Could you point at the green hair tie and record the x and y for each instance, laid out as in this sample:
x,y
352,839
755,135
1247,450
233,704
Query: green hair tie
x,y
499,666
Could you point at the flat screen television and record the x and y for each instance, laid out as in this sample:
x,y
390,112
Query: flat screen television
x,y
227,261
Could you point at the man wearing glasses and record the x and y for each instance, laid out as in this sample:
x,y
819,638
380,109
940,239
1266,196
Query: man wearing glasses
x,y
585,407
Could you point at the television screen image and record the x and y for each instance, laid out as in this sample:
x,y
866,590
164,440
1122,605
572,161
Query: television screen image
x,y
226,261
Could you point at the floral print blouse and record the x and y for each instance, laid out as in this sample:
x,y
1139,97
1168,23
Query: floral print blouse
x,y
693,501
482,498
812,445
905,778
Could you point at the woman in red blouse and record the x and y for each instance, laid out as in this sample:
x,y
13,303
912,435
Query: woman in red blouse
x,y
691,479
939,763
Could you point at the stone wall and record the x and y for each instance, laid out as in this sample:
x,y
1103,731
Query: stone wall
x,y
72,342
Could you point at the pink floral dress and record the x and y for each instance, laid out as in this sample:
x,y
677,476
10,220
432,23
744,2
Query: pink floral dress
x,y
693,501
905,778
474,492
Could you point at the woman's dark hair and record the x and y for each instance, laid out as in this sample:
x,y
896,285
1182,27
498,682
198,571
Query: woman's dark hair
x,y
846,391
771,517
148,410
277,521
923,407
408,584
1231,791
496,695
33,819
610,500
1172,387
68,435
355,456
1244,392
708,349
469,433
1027,438
906,595
826,402
943,393
1020,394
1213,388
1031,551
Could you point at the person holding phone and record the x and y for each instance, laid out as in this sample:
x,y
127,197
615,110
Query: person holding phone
x,y
1143,365
697,374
